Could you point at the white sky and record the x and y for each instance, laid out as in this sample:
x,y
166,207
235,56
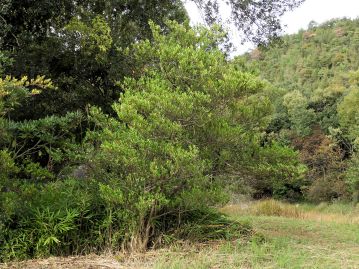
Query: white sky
x,y
316,10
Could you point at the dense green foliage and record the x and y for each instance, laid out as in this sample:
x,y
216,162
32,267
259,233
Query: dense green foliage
x,y
188,125
317,114
80,44
123,128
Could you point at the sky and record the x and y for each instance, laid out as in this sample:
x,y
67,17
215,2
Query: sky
x,y
311,10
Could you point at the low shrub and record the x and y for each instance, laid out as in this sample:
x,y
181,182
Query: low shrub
x,y
206,225
328,189
72,217
275,171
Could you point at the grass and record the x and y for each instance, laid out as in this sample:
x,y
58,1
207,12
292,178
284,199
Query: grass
x,y
290,243
288,236
336,212
296,236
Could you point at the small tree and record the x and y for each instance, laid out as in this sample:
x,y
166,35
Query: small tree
x,y
189,123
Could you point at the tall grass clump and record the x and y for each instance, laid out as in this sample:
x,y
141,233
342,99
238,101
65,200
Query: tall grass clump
x,y
273,207
328,212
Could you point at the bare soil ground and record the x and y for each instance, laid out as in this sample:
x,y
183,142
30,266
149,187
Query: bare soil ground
x,y
85,262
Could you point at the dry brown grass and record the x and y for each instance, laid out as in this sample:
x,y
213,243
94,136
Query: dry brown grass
x,y
333,217
118,261
74,262
276,208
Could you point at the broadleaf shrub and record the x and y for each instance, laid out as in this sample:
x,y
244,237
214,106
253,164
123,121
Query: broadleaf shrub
x,y
189,124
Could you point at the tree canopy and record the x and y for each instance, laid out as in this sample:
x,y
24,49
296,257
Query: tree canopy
x,y
317,70
257,21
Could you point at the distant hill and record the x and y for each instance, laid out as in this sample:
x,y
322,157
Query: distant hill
x,y
319,57
316,73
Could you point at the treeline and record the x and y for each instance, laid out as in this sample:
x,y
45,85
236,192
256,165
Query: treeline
x,y
317,71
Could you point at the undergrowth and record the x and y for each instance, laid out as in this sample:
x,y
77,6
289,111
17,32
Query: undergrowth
x,y
72,217
204,226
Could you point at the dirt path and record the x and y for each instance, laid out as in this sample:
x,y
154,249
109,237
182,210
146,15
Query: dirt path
x,y
86,262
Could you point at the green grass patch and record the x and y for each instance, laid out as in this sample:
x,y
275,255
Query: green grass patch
x,y
289,242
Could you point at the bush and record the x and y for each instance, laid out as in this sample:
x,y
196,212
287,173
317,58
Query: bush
x,y
190,119
188,124
49,220
205,225
326,167
328,189
277,173
72,217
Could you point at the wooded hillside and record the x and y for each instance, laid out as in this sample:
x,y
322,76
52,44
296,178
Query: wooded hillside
x,y
317,72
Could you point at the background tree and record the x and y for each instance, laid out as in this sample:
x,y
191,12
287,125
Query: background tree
x,y
257,21
317,72
42,38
